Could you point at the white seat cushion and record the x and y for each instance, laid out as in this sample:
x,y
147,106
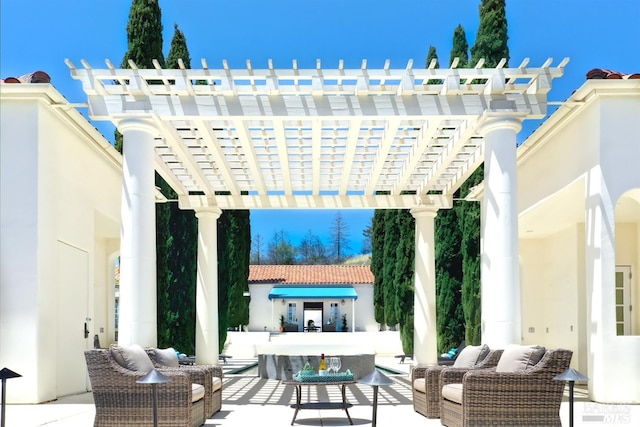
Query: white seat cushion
x,y
452,392
217,383
197,392
418,384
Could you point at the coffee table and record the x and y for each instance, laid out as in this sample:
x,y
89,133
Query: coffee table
x,y
320,405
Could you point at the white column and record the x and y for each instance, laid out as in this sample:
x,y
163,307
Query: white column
x,y
425,338
137,311
501,304
207,287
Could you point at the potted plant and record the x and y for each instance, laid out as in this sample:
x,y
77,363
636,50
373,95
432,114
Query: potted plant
x,y
282,323
344,323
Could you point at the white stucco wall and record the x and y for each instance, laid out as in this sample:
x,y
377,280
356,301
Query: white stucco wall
x,y
551,294
60,201
574,174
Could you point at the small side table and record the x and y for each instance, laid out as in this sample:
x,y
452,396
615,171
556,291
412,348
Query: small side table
x,y
344,405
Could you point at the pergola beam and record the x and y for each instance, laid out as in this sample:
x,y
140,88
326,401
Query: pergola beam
x,y
335,201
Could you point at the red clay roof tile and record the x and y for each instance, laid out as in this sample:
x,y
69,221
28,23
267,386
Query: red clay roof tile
x,y
35,77
310,274
601,73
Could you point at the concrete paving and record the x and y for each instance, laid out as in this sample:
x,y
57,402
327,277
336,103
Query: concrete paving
x,y
249,400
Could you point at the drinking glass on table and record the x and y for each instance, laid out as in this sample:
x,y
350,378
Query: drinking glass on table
x,y
335,364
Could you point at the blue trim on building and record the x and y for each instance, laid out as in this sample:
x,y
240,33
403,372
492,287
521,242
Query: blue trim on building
x,y
313,292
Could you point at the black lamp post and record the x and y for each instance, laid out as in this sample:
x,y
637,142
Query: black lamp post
x,y
5,374
572,376
375,379
154,378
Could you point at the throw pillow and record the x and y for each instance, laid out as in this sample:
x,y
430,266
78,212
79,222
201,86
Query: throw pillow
x,y
165,357
471,355
132,357
519,358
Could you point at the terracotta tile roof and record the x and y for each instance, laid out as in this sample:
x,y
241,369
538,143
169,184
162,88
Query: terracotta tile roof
x,y
600,73
35,77
299,274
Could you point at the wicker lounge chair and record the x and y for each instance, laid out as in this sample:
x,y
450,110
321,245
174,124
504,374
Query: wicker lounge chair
x,y
209,375
486,397
120,401
425,381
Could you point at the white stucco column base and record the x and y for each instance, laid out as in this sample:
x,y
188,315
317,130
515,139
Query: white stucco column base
x,y
425,337
501,301
137,311
207,340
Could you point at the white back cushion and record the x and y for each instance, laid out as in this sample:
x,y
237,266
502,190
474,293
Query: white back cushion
x,y
165,357
471,355
132,357
519,358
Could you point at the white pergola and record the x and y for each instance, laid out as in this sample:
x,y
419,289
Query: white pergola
x,y
318,138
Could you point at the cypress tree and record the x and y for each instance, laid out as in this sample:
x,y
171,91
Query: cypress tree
x,y
490,44
449,313
404,278
450,322
144,34
178,50
144,44
460,48
491,39
234,243
177,242
144,40
238,251
377,262
223,225
431,55
391,242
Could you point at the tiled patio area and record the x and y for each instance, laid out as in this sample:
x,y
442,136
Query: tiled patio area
x,y
248,399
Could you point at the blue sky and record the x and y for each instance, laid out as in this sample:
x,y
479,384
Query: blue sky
x,y
39,35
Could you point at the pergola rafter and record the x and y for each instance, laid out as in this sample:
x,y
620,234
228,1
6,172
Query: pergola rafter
x,y
268,138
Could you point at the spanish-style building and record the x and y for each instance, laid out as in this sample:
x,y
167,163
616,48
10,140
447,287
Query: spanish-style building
x,y
317,298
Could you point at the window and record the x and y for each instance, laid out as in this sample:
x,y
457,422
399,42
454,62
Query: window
x,y
334,313
623,301
292,316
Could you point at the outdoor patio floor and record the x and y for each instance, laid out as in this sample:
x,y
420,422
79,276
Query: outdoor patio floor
x,y
249,400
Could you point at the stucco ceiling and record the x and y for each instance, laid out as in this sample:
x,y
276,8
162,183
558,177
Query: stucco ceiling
x,y
566,208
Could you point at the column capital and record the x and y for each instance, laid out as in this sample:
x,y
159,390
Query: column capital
x,y
144,124
208,212
422,211
494,120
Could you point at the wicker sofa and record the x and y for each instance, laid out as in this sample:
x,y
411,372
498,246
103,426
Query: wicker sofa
x,y
209,375
120,401
484,397
425,382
